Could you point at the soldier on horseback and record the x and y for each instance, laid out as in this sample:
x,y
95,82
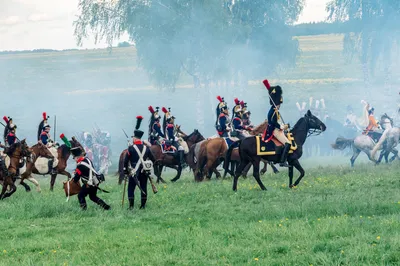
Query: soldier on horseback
x,y
45,138
155,131
9,132
246,116
169,128
373,126
222,122
274,128
239,129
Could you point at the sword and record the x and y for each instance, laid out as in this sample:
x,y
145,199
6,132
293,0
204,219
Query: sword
x,y
55,127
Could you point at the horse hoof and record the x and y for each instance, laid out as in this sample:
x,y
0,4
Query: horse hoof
x,y
174,180
262,172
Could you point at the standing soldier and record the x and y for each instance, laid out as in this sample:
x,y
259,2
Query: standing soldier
x,y
169,128
274,128
84,170
138,153
155,131
223,121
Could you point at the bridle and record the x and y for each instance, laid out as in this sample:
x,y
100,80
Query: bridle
x,y
311,131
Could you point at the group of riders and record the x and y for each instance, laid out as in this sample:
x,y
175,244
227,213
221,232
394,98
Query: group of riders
x,y
167,135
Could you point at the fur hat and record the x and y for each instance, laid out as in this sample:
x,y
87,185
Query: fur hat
x,y
275,93
76,152
138,133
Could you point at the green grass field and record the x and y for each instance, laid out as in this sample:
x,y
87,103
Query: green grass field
x,y
337,216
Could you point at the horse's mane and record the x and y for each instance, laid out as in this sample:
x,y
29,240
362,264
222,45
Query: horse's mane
x,y
298,123
193,133
12,148
257,128
64,151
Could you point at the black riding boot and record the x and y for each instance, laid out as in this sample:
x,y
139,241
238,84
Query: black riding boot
x,y
131,204
182,158
84,206
284,155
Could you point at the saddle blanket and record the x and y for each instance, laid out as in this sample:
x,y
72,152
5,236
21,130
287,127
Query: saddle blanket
x,y
42,164
272,146
168,149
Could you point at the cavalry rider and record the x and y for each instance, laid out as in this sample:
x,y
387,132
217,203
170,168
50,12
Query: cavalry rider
x,y
155,131
246,116
223,121
237,125
9,132
351,119
274,127
373,126
45,138
169,128
136,156
84,171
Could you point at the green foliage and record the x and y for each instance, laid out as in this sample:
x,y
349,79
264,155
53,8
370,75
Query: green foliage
x,y
378,33
207,39
336,216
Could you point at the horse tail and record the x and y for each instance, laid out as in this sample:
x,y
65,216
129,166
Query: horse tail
x,y
228,155
342,143
380,143
120,172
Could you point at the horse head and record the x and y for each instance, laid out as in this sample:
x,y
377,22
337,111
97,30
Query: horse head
x,y
194,137
24,149
386,121
314,124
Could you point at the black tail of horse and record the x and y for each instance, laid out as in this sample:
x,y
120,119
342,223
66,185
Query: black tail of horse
x,y
120,172
342,143
228,155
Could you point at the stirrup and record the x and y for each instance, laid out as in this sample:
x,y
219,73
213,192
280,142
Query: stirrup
x,y
284,164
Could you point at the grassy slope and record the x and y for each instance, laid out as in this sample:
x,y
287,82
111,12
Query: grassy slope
x,y
336,216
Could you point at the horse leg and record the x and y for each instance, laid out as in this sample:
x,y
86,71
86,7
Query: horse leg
x,y
297,165
290,175
395,153
246,170
274,168
8,182
239,170
353,158
264,170
27,188
53,178
256,173
178,175
36,183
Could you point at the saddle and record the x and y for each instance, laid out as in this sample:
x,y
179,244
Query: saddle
x,y
375,136
273,146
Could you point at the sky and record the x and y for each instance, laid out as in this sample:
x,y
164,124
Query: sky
x,y
35,24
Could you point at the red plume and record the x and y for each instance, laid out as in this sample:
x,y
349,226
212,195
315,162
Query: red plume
x,y
44,116
151,109
237,101
139,117
219,99
242,103
266,84
62,136
164,110
5,119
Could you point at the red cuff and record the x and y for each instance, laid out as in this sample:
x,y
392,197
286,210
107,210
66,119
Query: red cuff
x,y
78,171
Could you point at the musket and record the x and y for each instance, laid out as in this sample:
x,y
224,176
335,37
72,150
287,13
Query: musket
x,y
55,127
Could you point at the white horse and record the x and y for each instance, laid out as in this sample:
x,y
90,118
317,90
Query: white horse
x,y
364,143
388,142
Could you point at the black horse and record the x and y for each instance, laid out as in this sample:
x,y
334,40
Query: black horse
x,y
306,126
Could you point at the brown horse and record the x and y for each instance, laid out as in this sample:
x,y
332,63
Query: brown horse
x,y
38,150
16,152
163,159
63,154
212,152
